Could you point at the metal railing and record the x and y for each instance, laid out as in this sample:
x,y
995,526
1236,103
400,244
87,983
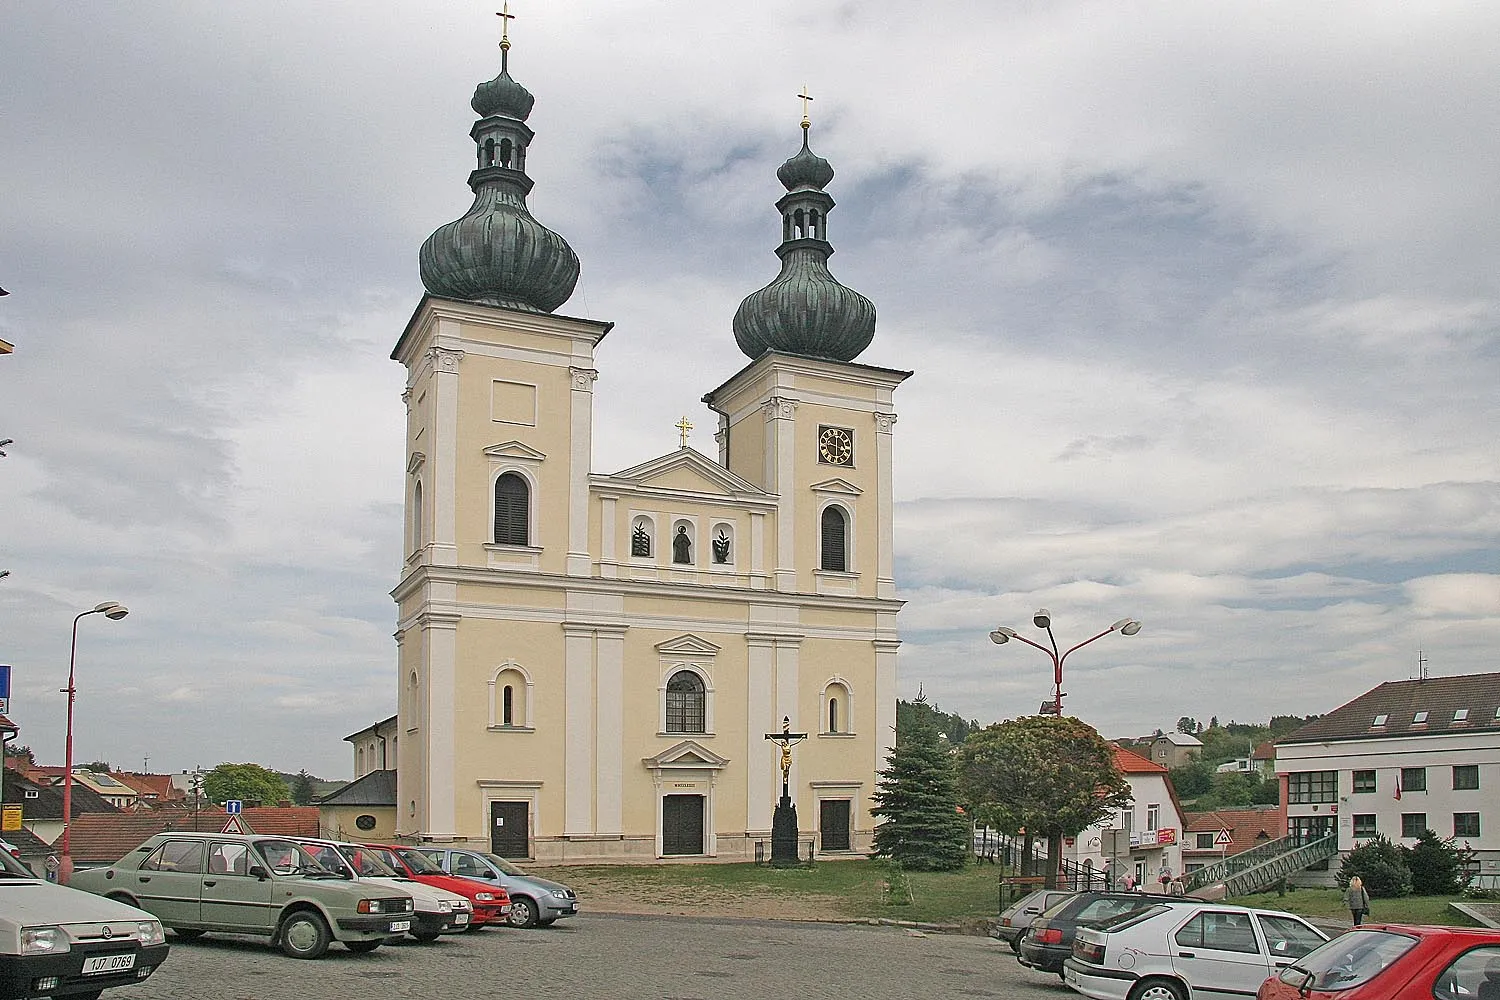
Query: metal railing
x,y
1262,867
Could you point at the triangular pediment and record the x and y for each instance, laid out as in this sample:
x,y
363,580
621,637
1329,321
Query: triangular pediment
x,y
514,449
837,486
687,645
416,462
688,471
687,754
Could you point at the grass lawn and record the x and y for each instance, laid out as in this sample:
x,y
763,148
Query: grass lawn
x,y
1330,903
838,888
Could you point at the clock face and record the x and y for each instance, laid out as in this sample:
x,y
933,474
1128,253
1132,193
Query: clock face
x,y
835,446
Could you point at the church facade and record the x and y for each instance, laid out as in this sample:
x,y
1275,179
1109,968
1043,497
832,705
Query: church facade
x,y
589,663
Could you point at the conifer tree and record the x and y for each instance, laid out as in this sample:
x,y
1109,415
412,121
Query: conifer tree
x,y
917,801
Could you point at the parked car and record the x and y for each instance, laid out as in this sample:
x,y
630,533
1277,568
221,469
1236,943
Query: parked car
x,y
1395,962
534,901
1193,949
1016,917
491,903
196,883
59,941
435,911
1048,942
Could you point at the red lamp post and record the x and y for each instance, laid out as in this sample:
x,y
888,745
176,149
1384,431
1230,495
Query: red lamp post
x,y
1043,619
113,611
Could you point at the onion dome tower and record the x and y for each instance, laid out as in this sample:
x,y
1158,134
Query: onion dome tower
x,y
497,253
805,310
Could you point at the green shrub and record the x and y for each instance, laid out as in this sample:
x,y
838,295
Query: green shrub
x,y
1437,866
1382,867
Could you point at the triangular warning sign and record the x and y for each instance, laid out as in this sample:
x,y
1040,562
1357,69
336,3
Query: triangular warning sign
x,y
1223,839
235,825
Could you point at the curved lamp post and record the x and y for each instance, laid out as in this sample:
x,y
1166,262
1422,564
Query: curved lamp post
x,y
114,611
1043,620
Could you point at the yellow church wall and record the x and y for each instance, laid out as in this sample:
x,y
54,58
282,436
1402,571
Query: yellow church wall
x,y
747,448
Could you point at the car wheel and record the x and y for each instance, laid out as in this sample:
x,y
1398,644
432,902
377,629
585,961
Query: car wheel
x,y
304,935
188,933
1158,989
362,947
426,937
522,912
1015,946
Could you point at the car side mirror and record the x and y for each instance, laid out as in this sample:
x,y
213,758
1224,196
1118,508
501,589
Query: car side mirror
x,y
258,871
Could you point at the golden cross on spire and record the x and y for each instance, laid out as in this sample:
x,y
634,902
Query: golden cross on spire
x,y
806,121
683,426
505,17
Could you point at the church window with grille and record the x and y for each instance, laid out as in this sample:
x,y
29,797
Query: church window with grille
x,y
687,701
834,545
512,510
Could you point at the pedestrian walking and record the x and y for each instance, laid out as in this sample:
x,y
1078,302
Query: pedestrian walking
x,y
1357,899
1164,876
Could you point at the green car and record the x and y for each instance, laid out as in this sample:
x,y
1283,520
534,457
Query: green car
x,y
195,883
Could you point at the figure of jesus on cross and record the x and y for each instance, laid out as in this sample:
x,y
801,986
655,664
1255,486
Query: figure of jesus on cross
x,y
786,739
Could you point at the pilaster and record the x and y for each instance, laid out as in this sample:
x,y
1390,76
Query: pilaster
x,y
581,396
440,656
885,545
445,363
578,747
781,468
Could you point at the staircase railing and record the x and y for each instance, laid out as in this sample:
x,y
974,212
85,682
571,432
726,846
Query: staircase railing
x,y
1262,867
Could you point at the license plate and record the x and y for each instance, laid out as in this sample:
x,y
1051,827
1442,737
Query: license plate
x,y
461,919
397,926
1070,977
108,963
505,908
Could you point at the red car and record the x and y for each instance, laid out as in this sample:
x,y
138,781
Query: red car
x,y
1395,962
491,903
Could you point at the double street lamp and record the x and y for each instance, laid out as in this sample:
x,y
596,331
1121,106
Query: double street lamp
x,y
1043,620
114,611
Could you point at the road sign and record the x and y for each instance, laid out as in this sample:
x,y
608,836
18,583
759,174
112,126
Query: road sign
x,y
234,825
10,817
1223,839
4,689
52,864
234,807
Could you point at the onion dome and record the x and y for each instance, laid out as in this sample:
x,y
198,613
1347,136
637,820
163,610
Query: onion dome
x,y
497,253
805,310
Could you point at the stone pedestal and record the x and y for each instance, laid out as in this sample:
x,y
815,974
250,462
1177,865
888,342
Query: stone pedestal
x,y
784,833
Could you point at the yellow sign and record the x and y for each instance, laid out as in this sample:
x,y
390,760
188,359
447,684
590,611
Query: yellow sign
x,y
10,818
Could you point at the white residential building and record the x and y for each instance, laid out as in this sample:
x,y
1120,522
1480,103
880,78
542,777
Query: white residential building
x,y
1404,757
1151,828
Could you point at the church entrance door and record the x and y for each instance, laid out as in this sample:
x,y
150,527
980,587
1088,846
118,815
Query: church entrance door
x,y
833,824
509,833
682,824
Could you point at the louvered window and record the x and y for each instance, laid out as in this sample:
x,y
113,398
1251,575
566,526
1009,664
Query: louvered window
x,y
512,507
686,703
834,552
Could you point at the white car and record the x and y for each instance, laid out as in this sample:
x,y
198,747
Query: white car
x,y
57,941
437,911
1177,951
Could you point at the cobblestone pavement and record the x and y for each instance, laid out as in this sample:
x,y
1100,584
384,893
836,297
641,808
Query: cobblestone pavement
x,y
598,956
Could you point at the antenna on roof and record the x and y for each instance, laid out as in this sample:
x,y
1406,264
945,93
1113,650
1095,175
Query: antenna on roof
x,y
1421,667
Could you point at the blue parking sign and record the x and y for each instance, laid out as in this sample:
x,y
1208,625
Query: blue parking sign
x,y
234,807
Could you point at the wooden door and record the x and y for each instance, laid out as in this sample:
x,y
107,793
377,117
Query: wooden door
x,y
510,836
833,824
682,824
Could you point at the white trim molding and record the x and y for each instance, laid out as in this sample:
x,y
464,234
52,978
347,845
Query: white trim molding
x,y
526,690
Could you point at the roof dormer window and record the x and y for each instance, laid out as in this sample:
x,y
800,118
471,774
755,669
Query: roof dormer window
x,y
1419,718
1460,715
1379,720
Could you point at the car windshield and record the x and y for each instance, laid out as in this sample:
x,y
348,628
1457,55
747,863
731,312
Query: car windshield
x,y
367,863
288,858
503,865
1349,960
419,863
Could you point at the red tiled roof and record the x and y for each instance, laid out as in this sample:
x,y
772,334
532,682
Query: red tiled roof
x,y
1247,827
1266,751
1134,763
158,786
105,838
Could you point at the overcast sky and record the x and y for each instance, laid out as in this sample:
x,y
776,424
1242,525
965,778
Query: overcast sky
x,y
1201,299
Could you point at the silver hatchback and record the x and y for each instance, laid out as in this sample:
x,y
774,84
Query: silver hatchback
x,y
534,901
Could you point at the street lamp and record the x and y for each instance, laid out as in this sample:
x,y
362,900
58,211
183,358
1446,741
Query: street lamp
x,y
1043,620
114,611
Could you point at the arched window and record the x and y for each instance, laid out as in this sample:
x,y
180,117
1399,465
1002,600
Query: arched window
x,y
512,510
489,152
833,715
838,707
508,706
510,694
505,152
686,703
834,548
416,516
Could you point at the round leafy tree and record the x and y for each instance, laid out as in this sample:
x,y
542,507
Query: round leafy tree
x,y
247,782
1380,865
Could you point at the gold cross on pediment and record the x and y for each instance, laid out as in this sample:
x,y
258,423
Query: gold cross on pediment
x,y
683,426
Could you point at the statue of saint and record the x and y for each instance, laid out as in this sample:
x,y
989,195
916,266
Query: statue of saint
x,y
721,547
640,541
682,546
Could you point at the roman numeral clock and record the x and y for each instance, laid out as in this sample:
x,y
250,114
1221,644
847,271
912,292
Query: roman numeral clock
x,y
835,446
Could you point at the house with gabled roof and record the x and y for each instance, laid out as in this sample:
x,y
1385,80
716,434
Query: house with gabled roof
x,y
1404,757
1151,827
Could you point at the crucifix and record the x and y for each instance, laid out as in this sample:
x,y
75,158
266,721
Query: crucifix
x,y
806,121
683,426
505,17
786,739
